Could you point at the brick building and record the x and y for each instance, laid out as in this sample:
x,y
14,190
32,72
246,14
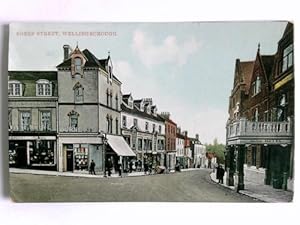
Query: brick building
x,y
261,109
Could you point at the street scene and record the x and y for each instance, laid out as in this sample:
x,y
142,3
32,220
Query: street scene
x,y
138,112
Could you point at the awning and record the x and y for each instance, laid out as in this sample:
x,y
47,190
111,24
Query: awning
x,y
119,145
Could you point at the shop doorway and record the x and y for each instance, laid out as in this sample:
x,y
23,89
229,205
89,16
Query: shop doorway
x,y
70,162
21,157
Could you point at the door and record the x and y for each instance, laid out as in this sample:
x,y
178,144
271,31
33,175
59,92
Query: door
x,y
70,161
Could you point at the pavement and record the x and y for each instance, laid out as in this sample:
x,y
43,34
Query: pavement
x,y
81,174
265,193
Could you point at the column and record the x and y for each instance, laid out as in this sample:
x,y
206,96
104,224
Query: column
x,y
240,167
267,169
230,165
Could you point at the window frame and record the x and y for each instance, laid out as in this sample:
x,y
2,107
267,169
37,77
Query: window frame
x,y
41,120
12,87
29,120
43,85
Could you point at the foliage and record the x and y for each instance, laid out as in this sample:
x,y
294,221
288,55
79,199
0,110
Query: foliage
x,y
218,149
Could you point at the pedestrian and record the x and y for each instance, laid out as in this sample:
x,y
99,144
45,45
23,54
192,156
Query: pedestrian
x,y
222,172
218,173
120,168
130,166
146,167
92,167
109,166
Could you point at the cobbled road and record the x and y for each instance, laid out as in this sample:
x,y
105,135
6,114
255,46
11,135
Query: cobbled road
x,y
188,186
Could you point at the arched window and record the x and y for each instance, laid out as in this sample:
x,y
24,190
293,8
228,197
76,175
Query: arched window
x,y
78,93
117,102
14,88
73,120
258,84
43,88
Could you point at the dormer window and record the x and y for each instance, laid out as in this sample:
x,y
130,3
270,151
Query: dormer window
x,y
77,64
14,88
130,102
43,88
256,86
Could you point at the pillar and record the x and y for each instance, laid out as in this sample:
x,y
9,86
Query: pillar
x,y
230,165
267,169
240,167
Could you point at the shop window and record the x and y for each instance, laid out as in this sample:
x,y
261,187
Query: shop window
x,y
45,121
287,58
25,121
14,88
81,157
73,120
41,152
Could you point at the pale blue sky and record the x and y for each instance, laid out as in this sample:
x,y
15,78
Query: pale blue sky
x,y
187,68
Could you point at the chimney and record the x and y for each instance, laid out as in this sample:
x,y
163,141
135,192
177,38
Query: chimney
x,y
66,51
178,130
197,137
166,115
185,133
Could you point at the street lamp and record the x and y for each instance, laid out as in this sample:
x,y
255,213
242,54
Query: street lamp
x,y
104,141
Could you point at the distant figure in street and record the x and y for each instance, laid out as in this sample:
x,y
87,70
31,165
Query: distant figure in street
x,y
130,166
92,167
146,167
108,167
177,167
220,174
120,168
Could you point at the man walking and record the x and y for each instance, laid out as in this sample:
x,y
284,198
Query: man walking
x,y
92,167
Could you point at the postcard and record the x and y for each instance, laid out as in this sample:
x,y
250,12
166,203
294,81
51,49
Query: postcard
x,y
151,112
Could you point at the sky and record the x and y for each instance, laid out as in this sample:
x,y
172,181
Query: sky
x,y
186,68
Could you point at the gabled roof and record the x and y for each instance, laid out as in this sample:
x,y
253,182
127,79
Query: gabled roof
x,y
246,71
268,63
137,112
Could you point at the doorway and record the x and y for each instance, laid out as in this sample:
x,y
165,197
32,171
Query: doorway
x,y
70,161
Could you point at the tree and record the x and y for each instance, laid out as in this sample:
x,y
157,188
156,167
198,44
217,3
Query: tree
x,y
218,149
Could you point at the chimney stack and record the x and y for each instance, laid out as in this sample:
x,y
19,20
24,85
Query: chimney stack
x,y
197,137
66,51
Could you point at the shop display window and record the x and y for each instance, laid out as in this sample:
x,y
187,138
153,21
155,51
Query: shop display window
x,y
81,157
41,152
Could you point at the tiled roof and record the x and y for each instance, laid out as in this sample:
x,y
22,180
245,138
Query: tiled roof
x,y
246,71
268,62
180,136
33,75
137,112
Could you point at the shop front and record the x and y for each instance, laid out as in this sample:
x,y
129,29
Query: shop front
x,y
33,152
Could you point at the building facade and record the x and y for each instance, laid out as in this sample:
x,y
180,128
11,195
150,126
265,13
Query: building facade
x,y
89,112
170,131
198,152
143,130
179,147
32,119
260,127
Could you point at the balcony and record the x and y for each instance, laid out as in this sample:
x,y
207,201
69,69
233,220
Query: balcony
x,y
244,131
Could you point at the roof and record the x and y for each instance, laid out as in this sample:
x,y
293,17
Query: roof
x,y
137,112
180,136
287,29
126,95
92,61
268,63
32,75
246,68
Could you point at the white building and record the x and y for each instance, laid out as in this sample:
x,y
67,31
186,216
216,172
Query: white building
x,y
179,147
143,129
89,112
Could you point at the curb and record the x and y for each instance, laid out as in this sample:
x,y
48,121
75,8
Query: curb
x,y
233,189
